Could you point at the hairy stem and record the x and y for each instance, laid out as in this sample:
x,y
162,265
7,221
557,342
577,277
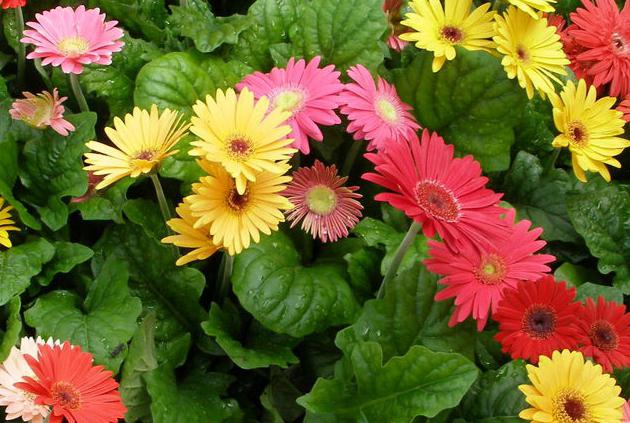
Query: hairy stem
x,y
21,64
400,253
78,92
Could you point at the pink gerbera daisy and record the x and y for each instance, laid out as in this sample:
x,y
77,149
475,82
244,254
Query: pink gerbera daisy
x,y
376,113
446,195
71,38
392,11
42,110
309,92
326,208
478,277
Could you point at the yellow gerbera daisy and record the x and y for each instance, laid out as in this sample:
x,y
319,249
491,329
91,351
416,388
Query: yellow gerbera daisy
x,y
187,236
566,389
6,224
235,219
532,50
532,6
588,127
241,134
142,141
439,29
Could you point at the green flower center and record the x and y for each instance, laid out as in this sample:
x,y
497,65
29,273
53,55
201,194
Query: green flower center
x,y
321,200
386,110
491,270
289,100
73,46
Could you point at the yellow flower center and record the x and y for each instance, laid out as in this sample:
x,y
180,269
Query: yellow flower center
x,y
73,46
577,133
143,162
451,34
539,321
66,395
235,201
42,112
239,147
289,100
321,200
437,201
603,335
570,407
386,110
492,270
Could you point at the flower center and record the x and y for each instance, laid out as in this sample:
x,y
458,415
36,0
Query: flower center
x,y
603,335
451,34
569,407
387,110
619,44
73,46
539,321
40,114
289,100
522,54
491,270
239,147
145,155
321,200
66,395
237,202
578,135
437,201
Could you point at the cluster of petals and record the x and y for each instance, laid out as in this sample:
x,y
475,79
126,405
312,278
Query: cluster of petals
x,y
12,4
42,110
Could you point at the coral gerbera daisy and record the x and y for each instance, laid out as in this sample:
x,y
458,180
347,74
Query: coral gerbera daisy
x,y
42,110
602,34
446,195
77,391
245,136
20,403
237,218
441,28
142,142
478,277
536,318
624,107
605,333
6,224
532,51
626,412
187,236
12,4
588,127
567,389
306,91
326,208
392,10
531,7
72,38
376,113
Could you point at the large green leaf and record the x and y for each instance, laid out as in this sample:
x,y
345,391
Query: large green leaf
x,y
53,169
143,16
258,348
286,297
105,205
101,324
12,327
593,290
178,80
67,256
470,102
419,383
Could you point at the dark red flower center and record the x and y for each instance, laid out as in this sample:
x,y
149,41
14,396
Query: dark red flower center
x,y
603,335
66,395
569,407
619,44
539,321
239,147
145,155
492,270
452,34
522,54
578,134
236,201
574,408
437,201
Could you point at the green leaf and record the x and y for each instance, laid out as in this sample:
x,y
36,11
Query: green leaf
x,y
140,360
24,216
540,197
575,275
419,383
146,214
470,102
8,159
593,290
107,205
67,256
13,327
601,214
100,324
258,348
495,397
287,297
536,130
178,80
53,169
182,166
19,264
143,16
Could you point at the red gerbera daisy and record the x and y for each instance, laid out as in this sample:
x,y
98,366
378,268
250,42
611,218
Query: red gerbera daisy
x,y
12,4
537,318
603,33
605,333
77,391
326,208
624,107
444,194
477,278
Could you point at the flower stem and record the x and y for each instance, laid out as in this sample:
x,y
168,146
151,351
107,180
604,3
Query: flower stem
x,y
21,64
42,72
226,275
351,157
552,161
78,92
400,253
159,192
183,3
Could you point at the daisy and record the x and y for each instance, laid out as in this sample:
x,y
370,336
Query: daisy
x,y
624,107
6,224
626,412
235,219
141,143
605,333
440,29
478,277
42,110
531,51
306,91
12,4
536,318
567,389
392,11
326,208
588,127
531,7
446,195
187,236
77,391
376,113
72,38
245,136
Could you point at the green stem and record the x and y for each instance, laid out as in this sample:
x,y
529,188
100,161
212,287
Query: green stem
x,y
78,92
21,65
400,253
159,192
226,275
42,72
351,157
552,162
183,3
